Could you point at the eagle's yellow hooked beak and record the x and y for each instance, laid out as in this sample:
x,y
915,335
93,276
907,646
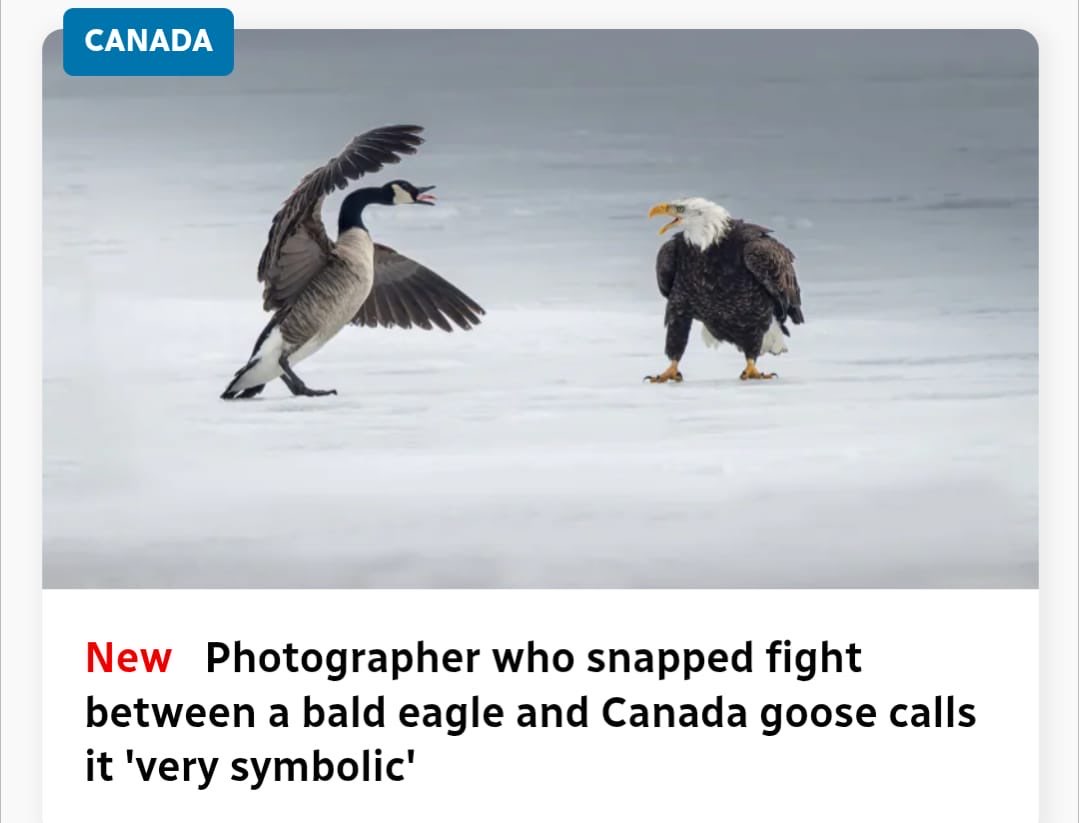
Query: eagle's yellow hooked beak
x,y
667,209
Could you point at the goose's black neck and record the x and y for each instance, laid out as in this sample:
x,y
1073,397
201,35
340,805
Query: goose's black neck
x,y
351,214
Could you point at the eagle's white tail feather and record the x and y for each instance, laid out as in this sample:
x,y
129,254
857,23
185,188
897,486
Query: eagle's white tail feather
x,y
774,340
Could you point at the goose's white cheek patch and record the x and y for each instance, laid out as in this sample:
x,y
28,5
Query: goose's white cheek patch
x,y
400,196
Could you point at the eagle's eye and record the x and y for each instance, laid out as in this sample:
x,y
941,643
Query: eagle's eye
x,y
680,209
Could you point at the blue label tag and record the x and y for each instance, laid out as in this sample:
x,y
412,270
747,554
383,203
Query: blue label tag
x,y
148,42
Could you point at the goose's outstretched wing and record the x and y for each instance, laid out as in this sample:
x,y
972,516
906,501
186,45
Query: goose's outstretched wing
x,y
406,294
297,246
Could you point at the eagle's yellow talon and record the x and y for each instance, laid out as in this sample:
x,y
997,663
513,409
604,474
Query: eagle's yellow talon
x,y
669,375
751,372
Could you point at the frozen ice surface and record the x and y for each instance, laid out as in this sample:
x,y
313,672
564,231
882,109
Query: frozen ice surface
x,y
897,448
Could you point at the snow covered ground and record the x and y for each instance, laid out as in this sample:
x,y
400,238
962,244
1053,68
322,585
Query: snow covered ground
x,y
897,448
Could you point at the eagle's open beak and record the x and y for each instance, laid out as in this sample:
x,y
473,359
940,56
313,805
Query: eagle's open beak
x,y
667,209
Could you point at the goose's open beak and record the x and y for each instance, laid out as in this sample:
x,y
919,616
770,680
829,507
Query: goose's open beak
x,y
668,210
422,197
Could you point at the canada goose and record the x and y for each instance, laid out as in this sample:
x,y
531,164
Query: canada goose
x,y
316,286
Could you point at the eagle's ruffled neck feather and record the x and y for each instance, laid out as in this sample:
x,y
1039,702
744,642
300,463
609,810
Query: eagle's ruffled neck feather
x,y
707,224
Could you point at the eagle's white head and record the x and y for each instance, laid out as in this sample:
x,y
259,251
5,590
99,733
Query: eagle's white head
x,y
702,221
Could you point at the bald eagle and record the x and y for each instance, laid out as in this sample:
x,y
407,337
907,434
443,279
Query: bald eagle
x,y
732,276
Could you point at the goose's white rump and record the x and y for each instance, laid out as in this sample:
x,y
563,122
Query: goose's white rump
x,y
265,364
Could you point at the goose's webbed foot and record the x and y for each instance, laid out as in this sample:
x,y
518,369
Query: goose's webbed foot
x,y
306,392
297,386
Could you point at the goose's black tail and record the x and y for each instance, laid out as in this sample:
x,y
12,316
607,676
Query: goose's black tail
x,y
242,386
235,392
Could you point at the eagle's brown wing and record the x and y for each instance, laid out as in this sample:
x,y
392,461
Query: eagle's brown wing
x,y
772,264
667,265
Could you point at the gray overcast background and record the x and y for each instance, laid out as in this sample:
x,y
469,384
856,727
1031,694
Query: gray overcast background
x,y
897,449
